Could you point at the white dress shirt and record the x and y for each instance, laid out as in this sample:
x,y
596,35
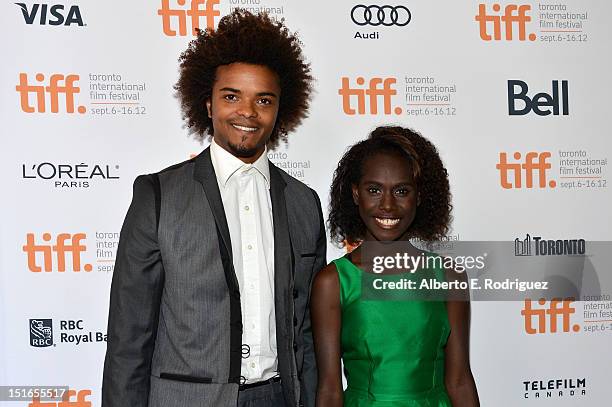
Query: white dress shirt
x,y
245,192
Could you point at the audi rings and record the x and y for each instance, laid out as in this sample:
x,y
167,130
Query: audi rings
x,y
380,15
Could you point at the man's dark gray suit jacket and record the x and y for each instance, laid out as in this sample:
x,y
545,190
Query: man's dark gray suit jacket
x,y
175,325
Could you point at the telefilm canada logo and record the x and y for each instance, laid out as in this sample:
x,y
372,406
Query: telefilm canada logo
x,y
51,14
373,17
41,333
554,388
536,246
71,331
69,175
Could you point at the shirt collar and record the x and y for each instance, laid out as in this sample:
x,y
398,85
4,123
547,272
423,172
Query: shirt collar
x,y
226,165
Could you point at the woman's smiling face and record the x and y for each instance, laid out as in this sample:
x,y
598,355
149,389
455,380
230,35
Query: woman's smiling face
x,y
387,196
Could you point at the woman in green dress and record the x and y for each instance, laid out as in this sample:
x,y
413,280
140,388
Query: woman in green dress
x,y
409,353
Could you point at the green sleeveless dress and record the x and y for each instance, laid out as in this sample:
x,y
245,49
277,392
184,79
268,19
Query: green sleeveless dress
x,y
393,351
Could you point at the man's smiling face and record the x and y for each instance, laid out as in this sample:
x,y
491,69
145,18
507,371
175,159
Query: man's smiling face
x,y
243,107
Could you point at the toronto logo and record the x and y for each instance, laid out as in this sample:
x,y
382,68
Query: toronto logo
x,y
536,246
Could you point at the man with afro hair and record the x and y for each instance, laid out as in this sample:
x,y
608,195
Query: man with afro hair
x,y
210,291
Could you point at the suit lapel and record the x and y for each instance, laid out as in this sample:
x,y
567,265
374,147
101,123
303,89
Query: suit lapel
x,y
282,242
205,174
283,264
283,271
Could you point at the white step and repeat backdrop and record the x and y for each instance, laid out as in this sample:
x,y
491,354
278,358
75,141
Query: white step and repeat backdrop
x,y
515,95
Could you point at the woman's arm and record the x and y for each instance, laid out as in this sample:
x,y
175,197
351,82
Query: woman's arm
x,y
326,318
458,378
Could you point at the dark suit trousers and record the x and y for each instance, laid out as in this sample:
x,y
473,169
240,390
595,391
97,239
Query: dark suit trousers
x,y
270,395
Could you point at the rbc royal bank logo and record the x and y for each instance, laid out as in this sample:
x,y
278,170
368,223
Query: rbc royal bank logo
x,y
522,173
66,247
171,17
58,84
41,333
55,14
72,332
512,23
368,98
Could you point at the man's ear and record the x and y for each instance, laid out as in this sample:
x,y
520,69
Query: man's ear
x,y
355,190
209,107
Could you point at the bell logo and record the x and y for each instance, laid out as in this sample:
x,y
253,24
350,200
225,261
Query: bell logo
x,y
559,99
42,11
61,248
534,162
513,14
58,83
548,316
195,12
67,400
373,92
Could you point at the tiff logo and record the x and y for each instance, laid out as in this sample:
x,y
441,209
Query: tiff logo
x,y
194,12
517,91
73,16
371,93
58,84
513,14
67,400
548,316
61,248
534,163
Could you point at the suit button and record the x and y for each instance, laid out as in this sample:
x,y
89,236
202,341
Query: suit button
x,y
295,347
295,293
294,321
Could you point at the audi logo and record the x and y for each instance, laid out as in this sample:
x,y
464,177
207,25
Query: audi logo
x,y
380,15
